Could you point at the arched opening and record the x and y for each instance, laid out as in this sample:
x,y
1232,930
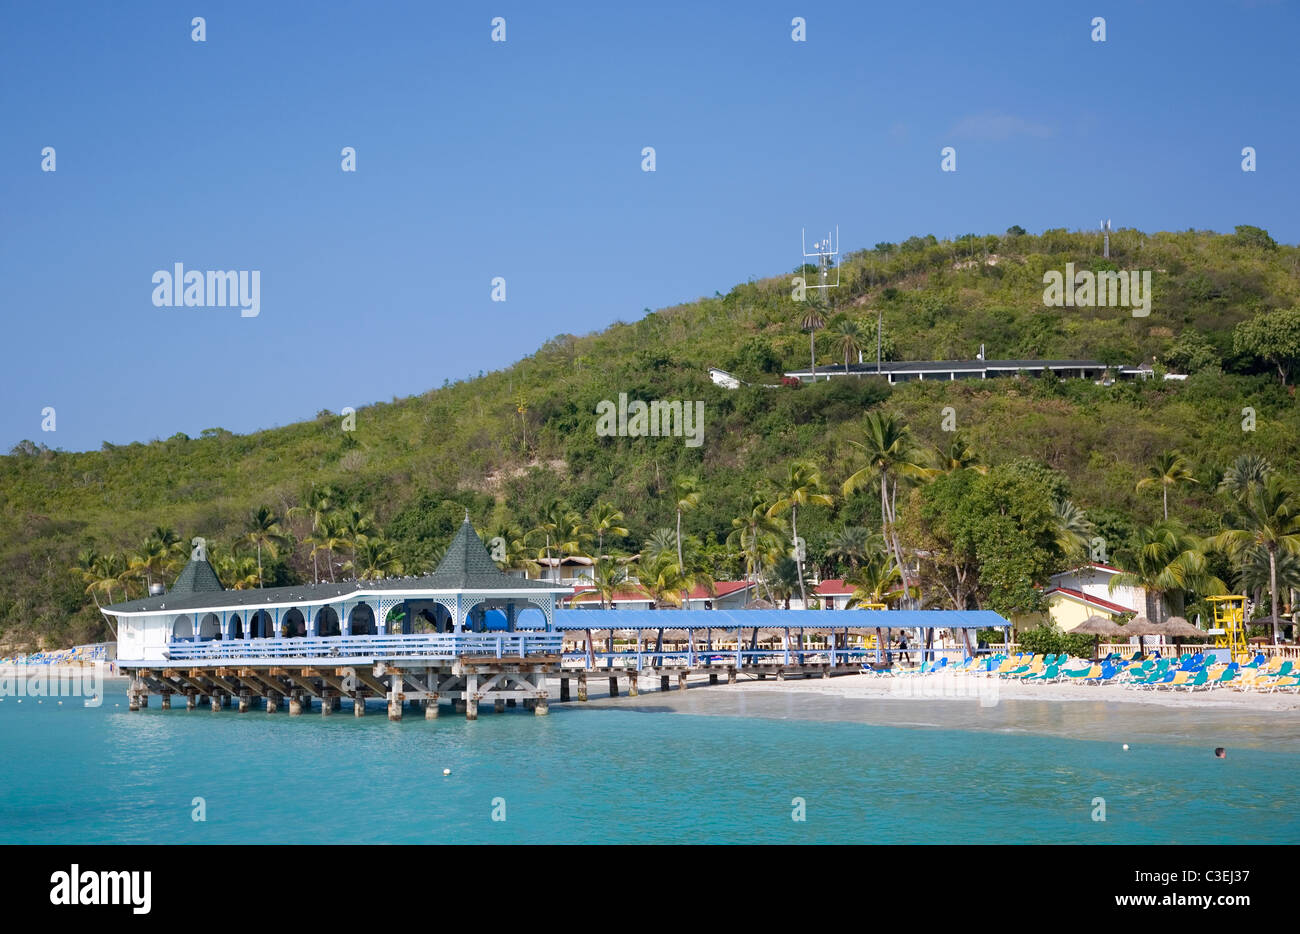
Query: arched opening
x,y
183,629
293,624
209,628
397,620
261,625
361,621
529,617
236,627
327,622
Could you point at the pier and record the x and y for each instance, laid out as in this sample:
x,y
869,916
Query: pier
x,y
467,636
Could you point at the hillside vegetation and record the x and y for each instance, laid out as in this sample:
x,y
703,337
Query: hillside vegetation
x,y
519,450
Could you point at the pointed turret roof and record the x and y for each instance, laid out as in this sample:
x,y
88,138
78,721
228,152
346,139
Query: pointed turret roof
x,y
197,576
468,566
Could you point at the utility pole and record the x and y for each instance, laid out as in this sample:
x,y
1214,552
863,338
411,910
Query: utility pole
x,y
1105,233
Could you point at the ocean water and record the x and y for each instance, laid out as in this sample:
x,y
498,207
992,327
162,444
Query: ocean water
x,y
604,774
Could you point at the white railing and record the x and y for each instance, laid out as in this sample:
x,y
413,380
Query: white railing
x,y
338,648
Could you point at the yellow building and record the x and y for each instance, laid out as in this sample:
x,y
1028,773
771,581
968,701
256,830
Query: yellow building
x,y
1072,596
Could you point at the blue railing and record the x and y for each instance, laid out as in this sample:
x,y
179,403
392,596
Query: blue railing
x,y
702,657
364,648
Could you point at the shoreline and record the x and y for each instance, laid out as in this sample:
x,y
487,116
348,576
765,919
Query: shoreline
x,y
1108,713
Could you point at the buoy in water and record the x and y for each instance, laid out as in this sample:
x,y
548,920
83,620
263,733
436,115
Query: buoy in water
x,y
446,771
1126,747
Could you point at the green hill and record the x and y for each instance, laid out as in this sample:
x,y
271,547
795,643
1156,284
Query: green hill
x,y
506,444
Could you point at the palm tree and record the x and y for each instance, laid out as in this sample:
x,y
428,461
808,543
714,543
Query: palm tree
x,y
605,519
1072,529
315,506
812,320
891,454
852,543
331,538
608,577
517,555
876,582
759,537
375,559
958,455
104,573
1267,517
550,526
1169,469
149,562
686,496
1248,470
801,486
848,338
1167,561
264,532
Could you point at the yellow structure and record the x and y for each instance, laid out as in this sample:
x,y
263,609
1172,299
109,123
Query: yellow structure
x,y
1068,609
1230,624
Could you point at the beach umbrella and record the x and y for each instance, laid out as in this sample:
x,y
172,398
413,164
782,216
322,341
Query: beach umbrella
x,y
1175,627
1096,626
1138,626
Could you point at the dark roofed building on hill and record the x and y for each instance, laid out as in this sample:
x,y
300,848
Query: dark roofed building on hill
x,y
897,371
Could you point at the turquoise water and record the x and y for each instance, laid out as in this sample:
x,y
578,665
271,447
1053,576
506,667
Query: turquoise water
x,y
72,774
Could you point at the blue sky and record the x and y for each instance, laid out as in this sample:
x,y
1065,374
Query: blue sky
x,y
522,159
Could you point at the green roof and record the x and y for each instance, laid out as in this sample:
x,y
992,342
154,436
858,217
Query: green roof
x,y
196,577
468,566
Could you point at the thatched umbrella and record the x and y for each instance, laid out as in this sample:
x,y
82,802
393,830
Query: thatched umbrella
x,y
1138,626
1175,627
1096,626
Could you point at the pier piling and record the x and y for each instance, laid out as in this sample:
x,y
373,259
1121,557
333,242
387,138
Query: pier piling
x,y
613,687
166,703
681,681
214,701
326,704
358,706
663,682
191,701
564,689
431,707
543,707
582,686
631,684
295,704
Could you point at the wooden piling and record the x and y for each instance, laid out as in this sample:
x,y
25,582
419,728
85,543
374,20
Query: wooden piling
x,y
564,689
663,682
632,684
713,677
582,685
613,687
681,681
731,674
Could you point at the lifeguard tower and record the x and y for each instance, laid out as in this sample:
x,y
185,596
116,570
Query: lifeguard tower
x,y
1230,624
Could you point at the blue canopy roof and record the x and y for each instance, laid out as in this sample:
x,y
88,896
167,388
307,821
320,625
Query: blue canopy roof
x,y
777,619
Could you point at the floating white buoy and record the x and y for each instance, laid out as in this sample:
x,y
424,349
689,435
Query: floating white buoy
x,y
60,703
446,771
1126,747
20,700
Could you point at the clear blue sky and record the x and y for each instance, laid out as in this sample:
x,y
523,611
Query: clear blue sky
x,y
523,160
